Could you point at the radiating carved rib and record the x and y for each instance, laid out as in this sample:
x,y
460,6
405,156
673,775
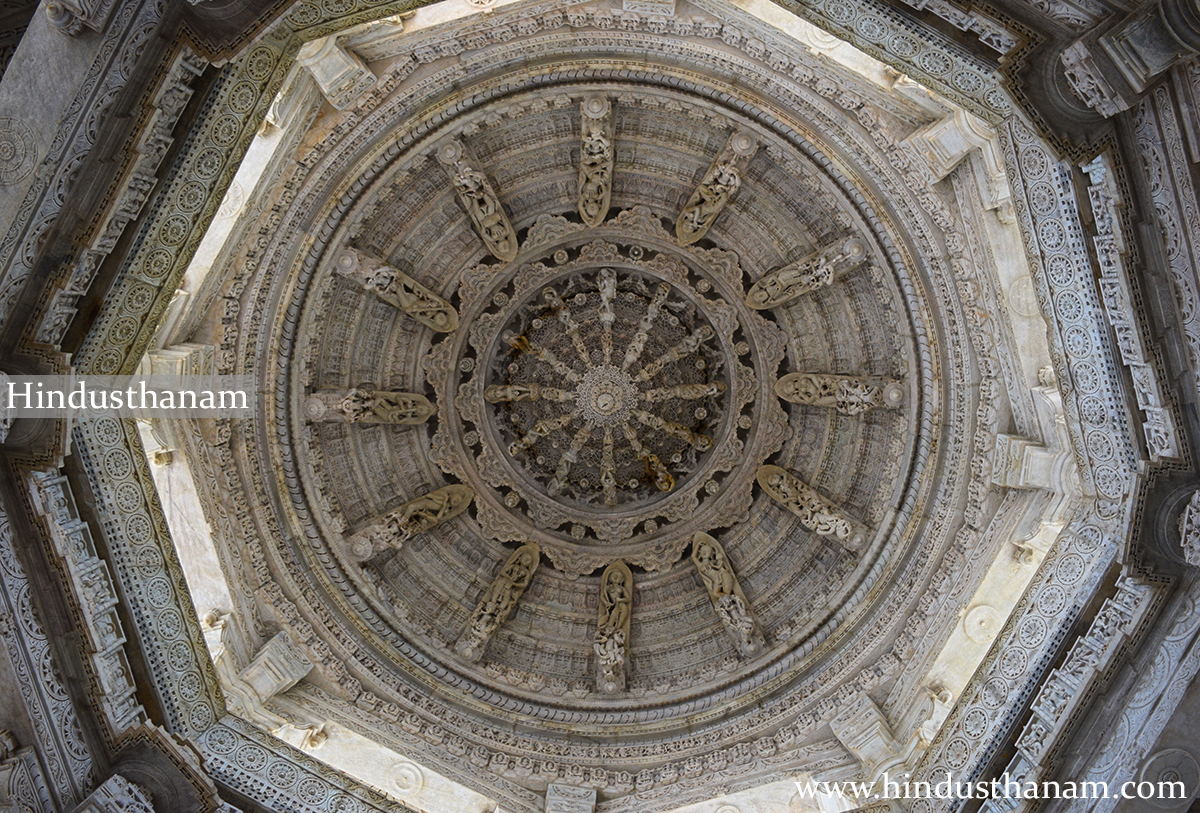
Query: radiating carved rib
x,y
815,512
634,351
569,457
480,200
397,289
497,393
726,595
570,326
608,469
850,395
700,442
612,627
540,430
718,185
595,159
684,392
414,517
663,480
688,345
499,601
608,292
807,274
543,354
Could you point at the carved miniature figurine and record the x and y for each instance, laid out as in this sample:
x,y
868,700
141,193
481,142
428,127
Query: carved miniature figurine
x,y
499,601
480,200
612,628
595,160
414,517
715,189
726,594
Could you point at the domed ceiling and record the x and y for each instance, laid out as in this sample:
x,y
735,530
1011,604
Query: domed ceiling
x,y
623,390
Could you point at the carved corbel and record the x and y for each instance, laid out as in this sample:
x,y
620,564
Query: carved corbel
x,y
726,595
849,395
397,289
368,406
480,200
340,74
277,667
716,188
595,159
807,274
564,798
499,601
815,512
414,517
612,627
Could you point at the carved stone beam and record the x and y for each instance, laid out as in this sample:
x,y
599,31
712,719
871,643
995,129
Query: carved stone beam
x,y
480,200
414,517
816,513
716,188
595,159
726,595
499,601
807,274
340,74
612,627
397,289
849,395
367,406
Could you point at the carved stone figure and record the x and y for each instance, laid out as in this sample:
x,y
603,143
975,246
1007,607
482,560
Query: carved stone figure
x,y
1189,530
815,512
595,160
718,185
499,601
398,289
726,594
481,202
805,275
362,406
612,627
414,517
849,395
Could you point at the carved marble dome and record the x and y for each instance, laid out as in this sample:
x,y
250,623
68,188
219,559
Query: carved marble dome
x,y
661,282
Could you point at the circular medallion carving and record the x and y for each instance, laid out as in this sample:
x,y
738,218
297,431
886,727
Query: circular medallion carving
x,y
18,150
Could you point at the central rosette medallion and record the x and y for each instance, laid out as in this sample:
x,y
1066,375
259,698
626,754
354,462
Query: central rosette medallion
x,y
605,398
607,388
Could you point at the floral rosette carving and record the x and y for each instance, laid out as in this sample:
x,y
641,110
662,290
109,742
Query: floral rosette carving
x,y
609,395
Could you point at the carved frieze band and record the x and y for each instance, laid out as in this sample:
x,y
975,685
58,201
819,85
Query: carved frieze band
x,y
596,151
499,601
480,200
807,274
716,188
726,595
816,513
414,517
849,395
612,627
368,407
397,289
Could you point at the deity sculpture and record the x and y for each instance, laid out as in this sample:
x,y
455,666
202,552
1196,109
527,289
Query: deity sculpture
x,y
366,406
499,601
715,189
398,289
414,517
612,627
805,275
815,512
481,202
849,395
595,160
726,595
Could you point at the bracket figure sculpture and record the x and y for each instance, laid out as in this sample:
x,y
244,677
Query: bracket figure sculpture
x,y
397,289
612,627
726,595
715,189
849,395
360,405
499,601
480,200
595,159
816,513
807,274
414,517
